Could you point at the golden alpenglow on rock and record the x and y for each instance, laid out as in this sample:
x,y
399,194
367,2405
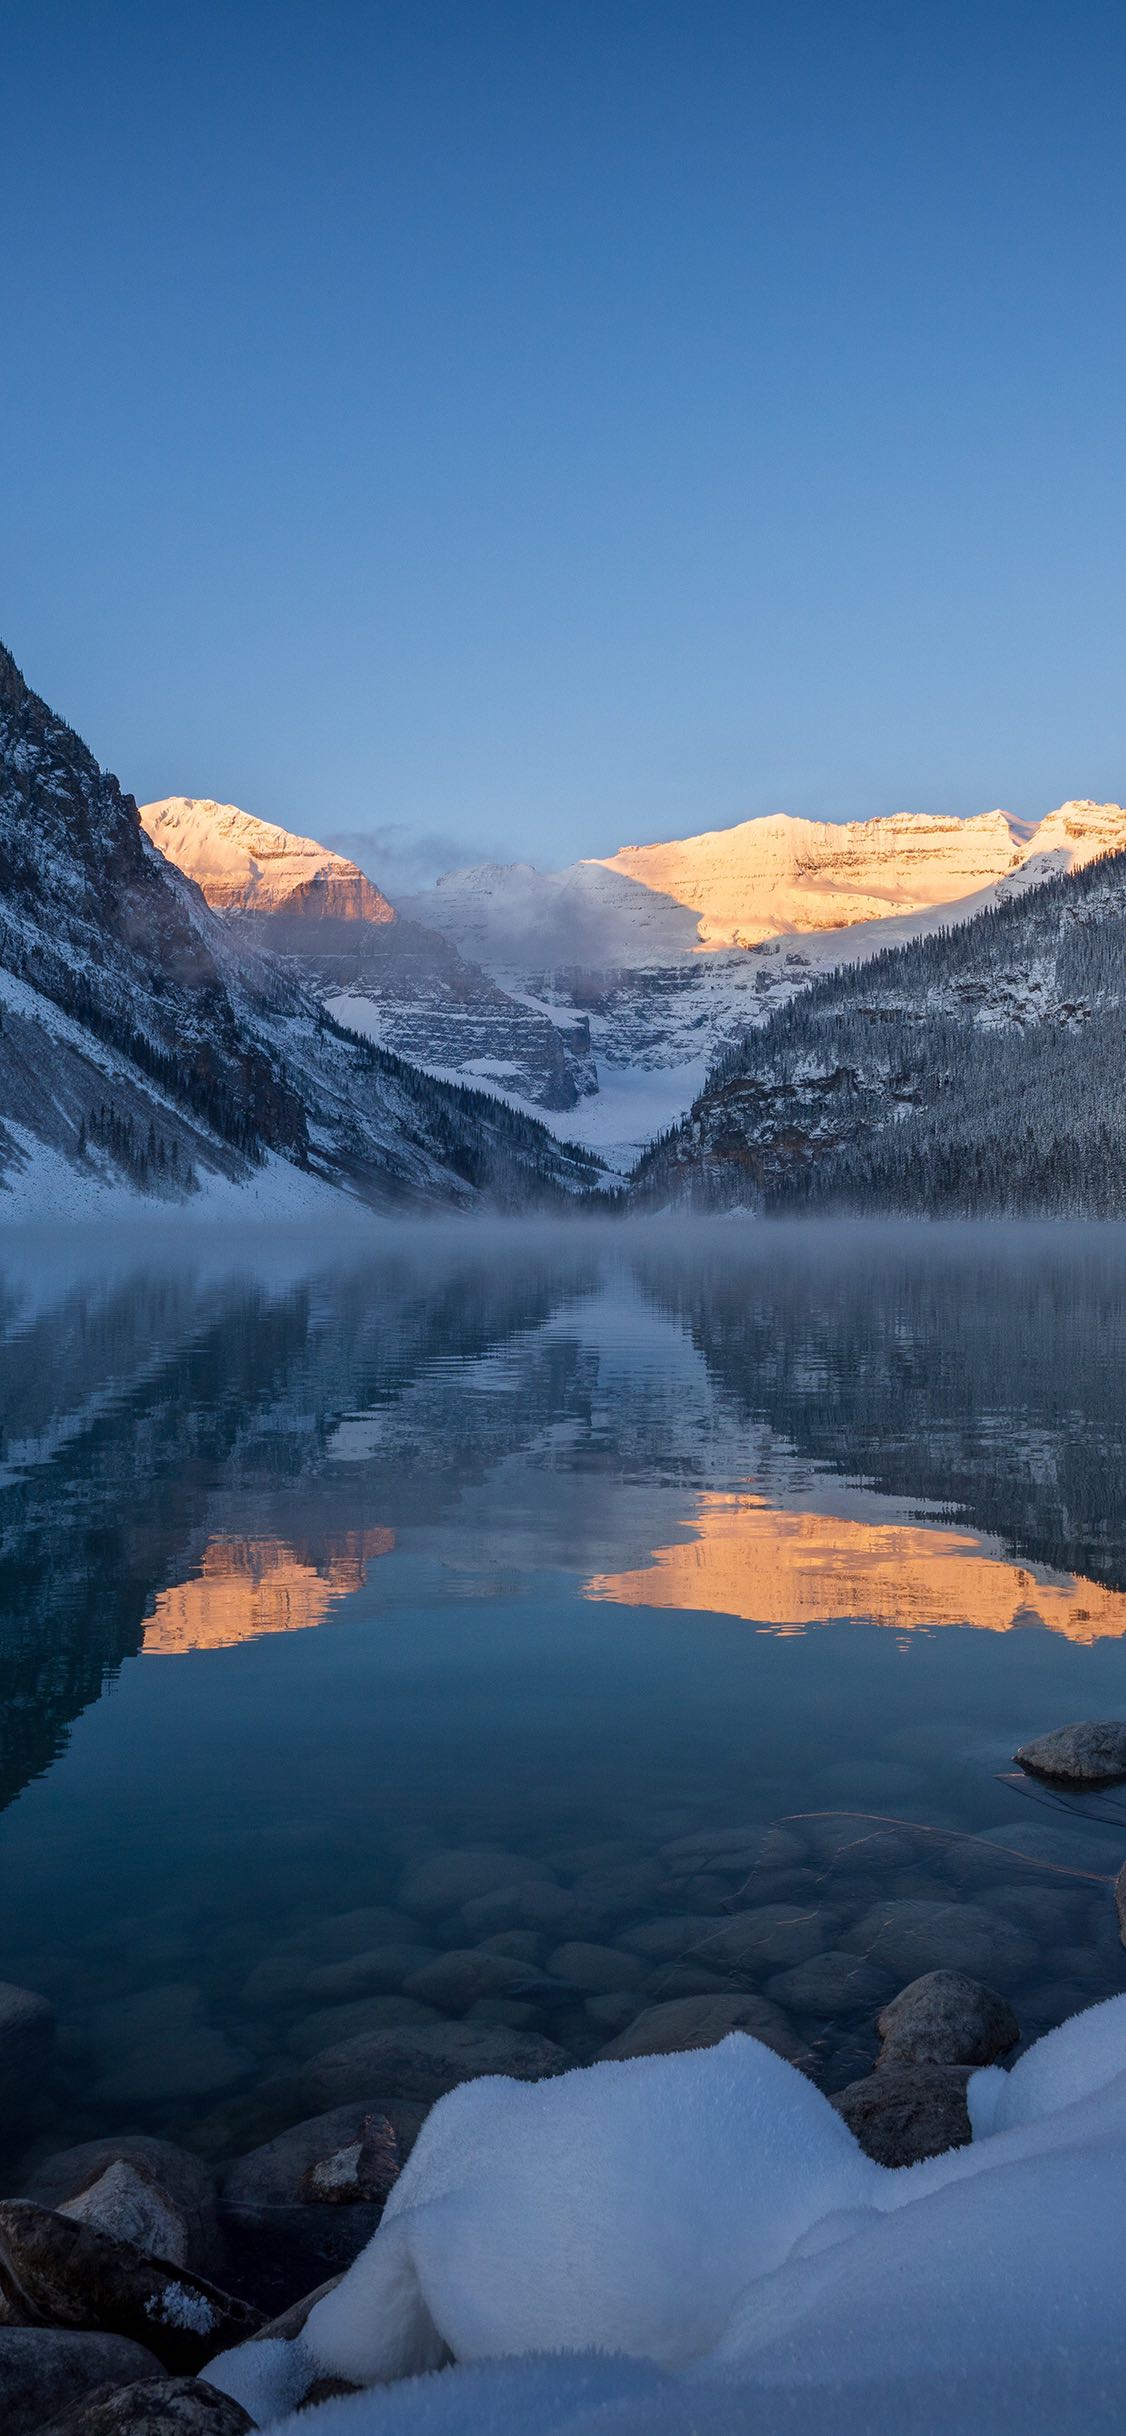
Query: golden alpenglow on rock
x,y
789,1571
246,1588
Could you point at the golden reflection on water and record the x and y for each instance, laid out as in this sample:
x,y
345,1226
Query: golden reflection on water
x,y
245,1588
787,1571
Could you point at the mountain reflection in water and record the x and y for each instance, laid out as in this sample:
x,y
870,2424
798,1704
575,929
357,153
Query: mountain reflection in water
x,y
246,1587
789,1571
468,1533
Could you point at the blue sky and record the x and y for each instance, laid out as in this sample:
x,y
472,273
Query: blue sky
x,y
525,429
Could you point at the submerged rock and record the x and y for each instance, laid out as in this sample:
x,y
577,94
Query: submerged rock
x,y
449,1879
701,2021
183,2180
911,1935
530,1903
282,2230
423,2064
774,1936
596,1970
829,1985
332,2023
379,1972
27,2040
903,2112
77,2277
164,2406
733,1851
161,2043
44,2372
945,2018
456,1980
669,1937
1090,1752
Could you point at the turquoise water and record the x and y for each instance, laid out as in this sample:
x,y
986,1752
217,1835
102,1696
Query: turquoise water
x,y
317,1562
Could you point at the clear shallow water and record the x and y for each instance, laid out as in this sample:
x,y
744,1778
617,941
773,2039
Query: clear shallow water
x,y
314,1564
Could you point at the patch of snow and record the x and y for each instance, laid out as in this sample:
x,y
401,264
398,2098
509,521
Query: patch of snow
x,y
177,2305
709,2216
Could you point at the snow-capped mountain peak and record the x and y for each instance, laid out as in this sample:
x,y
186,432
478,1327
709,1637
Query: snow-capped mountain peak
x,y
252,866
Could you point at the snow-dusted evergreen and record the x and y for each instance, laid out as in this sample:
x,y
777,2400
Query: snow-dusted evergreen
x,y
978,1069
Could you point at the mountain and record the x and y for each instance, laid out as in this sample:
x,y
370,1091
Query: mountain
x,y
144,1046
976,1070
766,877
759,880
392,979
671,951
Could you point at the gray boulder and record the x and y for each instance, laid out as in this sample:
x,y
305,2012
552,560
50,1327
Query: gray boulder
x,y
733,1851
168,2406
910,1935
668,1938
829,1985
183,2179
520,1945
510,2011
685,1978
328,2026
27,2040
449,1879
701,2021
1091,1752
341,1934
278,2213
423,2064
380,1972
528,1903
907,2111
596,1970
127,2202
456,1980
75,2276
775,1936
945,2018
44,2372
161,2043
612,2013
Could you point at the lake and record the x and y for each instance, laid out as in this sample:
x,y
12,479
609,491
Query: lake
x,y
427,1592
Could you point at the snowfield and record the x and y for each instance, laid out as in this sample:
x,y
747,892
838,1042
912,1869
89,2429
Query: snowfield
x,y
695,2245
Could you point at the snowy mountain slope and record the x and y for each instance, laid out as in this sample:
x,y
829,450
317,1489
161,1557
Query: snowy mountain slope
x,y
389,978
977,1069
651,906
670,951
147,1047
249,866
778,874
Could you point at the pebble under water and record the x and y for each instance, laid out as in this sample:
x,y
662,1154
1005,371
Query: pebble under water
x,y
528,1629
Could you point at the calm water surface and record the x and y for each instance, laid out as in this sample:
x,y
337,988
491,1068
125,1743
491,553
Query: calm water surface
x,y
317,1564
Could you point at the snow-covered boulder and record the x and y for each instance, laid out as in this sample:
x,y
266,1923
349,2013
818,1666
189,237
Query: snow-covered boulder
x,y
709,2215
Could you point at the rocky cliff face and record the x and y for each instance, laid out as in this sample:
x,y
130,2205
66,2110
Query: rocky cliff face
x,y
144,1044
391,979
